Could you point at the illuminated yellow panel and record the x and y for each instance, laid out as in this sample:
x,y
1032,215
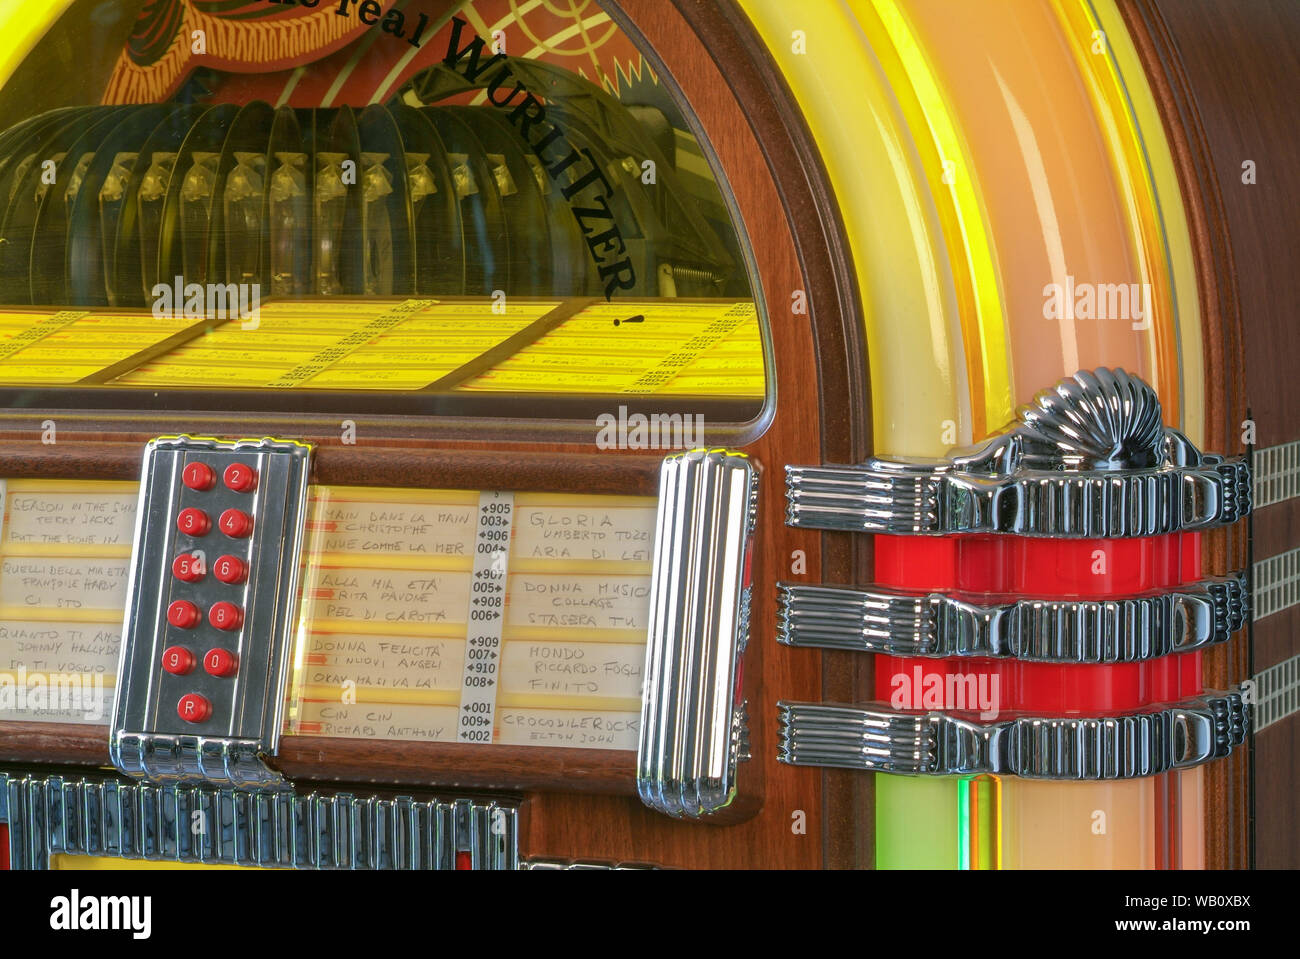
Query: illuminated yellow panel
x,y
387,595
696,348
920,399
946,160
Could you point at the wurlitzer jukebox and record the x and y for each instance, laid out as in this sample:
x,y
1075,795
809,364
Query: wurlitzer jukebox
x,y
484,434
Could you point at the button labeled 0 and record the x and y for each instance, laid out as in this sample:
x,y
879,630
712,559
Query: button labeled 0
x,y
220,662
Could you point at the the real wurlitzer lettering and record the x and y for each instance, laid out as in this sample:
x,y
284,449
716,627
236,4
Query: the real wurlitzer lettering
x,y
576,172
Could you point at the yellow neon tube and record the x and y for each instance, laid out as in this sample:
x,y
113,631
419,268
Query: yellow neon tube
x,y
920,398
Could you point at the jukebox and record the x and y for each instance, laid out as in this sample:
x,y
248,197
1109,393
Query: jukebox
x,y
513,434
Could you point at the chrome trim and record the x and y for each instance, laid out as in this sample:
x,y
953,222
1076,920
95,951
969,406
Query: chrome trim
x,y
582,865
1277,474
880,739
266,828
1087,458
1276,584
1110,630
1276,693
147,739
693,730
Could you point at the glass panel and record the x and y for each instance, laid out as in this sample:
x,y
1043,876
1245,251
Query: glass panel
x,y
388,600
510,199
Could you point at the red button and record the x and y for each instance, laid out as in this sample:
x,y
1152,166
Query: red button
x,y
235,523
220,662
193,522
183,614
188,568
199,476
193,708
240,477
178,660
464,860
230,569
226,616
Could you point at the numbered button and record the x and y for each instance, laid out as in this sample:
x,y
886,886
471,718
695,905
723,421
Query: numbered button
x,y
193,522
183,614
198,476
230,569
188,568
235,523
241,477
220,662
226,616
193,708
178,660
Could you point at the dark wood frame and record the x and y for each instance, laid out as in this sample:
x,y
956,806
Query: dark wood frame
x,y
1220,76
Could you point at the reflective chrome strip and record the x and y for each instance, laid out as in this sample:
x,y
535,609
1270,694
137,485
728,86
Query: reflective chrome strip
x,y
1089,457
275,829
880,739
1277,693
1116,630
581,865
1277,474
1276,584
884,497
692,718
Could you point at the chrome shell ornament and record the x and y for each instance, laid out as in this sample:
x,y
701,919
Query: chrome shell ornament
x,y
1088,458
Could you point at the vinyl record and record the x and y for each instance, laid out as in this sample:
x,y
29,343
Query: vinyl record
x,y
234,245
124,269
29,188
48,247
531,245
439,234
337,266
632,207
83,264
571,271
487,238
287,265
387,227
175,257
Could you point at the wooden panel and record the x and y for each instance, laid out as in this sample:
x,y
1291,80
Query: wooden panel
x,y
1224,75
